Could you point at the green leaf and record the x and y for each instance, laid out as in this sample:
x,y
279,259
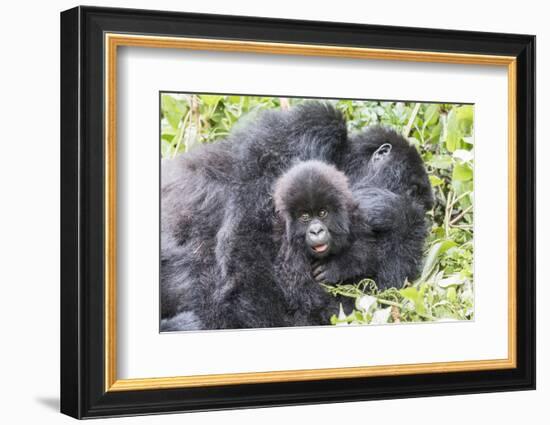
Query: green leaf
x,y
381,316
438,232
174,119
461,187
454,280
451,294
210,100
168,103
176,141
435,181
435,252
459,124
417,298
435,133
168,137
410,293
168,130
171,110
462,172
465,117
431,116
234,99
414,141
443,162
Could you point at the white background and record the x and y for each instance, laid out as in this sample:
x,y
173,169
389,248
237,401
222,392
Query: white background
x,y
191,353
29,217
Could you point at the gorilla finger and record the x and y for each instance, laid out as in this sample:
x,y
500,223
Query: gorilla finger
x,y
320,278
317,270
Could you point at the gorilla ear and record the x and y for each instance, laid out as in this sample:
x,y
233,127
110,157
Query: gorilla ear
x,y
382,152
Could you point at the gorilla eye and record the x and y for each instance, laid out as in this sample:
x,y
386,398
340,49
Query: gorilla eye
x,y
323,213
305,217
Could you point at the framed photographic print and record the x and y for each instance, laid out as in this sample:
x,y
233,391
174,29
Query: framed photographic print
x,y
261,212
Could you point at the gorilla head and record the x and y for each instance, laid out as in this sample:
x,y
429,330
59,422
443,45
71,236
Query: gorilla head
x,y
381,157
314,202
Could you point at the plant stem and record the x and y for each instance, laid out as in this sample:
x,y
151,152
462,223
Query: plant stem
x,y
460,197
409,125
386,302
448,210
183,124
459,216
285,104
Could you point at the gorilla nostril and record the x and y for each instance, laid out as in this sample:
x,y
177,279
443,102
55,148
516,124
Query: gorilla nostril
x,y
316,230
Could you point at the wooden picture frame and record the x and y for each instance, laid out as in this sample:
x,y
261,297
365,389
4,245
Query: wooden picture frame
x,y
90,39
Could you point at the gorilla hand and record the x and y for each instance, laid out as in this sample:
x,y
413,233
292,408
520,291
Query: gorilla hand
x,y
325,272
318,271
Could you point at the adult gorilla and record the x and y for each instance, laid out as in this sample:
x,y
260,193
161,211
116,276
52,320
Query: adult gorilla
x,y
217,213
393,193
217,249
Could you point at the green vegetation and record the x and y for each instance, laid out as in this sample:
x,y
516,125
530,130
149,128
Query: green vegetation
x,y
442,133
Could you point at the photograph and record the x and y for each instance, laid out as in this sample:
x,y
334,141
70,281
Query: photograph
x,y
268,211
293,211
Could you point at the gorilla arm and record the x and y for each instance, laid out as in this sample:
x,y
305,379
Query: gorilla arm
x,y
388,233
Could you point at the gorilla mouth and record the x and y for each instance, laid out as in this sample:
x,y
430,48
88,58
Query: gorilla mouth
x,y
320,248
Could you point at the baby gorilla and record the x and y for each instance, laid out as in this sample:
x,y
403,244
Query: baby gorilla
x,y
317,219
328,233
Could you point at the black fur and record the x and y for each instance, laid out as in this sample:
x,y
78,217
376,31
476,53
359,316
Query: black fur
x,y
217,213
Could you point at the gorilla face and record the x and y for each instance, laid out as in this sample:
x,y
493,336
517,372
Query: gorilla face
x,y
318,236
314,201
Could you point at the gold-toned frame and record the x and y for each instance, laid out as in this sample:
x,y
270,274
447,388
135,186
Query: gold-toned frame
x,y
113,41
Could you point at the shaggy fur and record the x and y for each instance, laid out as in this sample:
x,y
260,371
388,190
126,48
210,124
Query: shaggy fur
x,y
400,171
218,214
